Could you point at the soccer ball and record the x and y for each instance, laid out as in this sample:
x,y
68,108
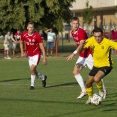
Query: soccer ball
x,y
96,99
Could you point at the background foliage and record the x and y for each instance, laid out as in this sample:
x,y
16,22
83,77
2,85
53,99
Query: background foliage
x,y
14,14
87,14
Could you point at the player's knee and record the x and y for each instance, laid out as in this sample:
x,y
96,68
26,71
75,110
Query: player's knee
x,y
32,69
75,73
88,84
96,80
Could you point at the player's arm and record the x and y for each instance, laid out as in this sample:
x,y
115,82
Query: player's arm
x,y
81,47
16,38
47,30
21,48
43,53
112,44
13,39
78,50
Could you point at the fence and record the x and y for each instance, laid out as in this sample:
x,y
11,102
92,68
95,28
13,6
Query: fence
x,y
17,50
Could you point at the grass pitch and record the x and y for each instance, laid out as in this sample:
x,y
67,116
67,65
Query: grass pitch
x,y
58,99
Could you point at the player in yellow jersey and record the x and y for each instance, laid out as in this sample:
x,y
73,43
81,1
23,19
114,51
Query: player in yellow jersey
x,y
101,51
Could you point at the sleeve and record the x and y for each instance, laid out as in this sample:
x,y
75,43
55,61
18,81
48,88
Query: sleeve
x,y
112,44
89,43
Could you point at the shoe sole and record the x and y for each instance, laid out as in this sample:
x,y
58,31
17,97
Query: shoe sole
x,y
31,88
82,96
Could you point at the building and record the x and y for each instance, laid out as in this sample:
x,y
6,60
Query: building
x,y
105,13
104,16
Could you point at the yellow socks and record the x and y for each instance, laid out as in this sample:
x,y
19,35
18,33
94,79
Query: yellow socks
x,y
89,91
99,86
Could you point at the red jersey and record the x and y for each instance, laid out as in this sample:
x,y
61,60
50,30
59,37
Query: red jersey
x,y
114,35
79,35
32,43
17,36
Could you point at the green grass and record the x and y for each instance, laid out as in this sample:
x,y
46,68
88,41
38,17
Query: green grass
x,y
58,99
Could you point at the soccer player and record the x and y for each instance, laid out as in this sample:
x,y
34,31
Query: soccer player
x,y
34,48
101,51
85,57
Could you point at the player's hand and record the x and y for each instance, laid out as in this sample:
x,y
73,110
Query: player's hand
x,y
22,55
44,61
70,57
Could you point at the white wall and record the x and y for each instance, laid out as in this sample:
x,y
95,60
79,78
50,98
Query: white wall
x,y
81,4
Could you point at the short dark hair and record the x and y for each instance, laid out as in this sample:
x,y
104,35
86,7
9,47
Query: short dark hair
x,y
30,23
97,29
74,19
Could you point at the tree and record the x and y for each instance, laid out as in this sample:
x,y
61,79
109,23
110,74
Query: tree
x,y
14,14
87,14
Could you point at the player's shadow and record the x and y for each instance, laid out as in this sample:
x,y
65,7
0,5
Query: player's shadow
x,y
110,110
10,80
64,84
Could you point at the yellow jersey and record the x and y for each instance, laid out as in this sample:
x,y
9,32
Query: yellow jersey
x,y
101,52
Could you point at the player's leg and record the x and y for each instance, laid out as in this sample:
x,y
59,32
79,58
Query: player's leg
x,y
32,70
14,48
43,77
35,61
89,83
7,51
89,62
51,48
33,76
99,75
76,72
89,88
48,46
104,89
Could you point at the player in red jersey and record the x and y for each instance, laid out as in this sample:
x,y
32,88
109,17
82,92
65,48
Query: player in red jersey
x,y
85,57
34,49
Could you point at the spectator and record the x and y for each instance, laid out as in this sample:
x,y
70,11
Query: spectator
x,y
51,36
114,34
8,37
15,46
114,37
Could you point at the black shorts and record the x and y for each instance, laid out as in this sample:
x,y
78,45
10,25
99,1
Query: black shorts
x,y
105,69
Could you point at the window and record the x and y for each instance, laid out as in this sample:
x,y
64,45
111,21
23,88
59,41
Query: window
x,y
67,27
